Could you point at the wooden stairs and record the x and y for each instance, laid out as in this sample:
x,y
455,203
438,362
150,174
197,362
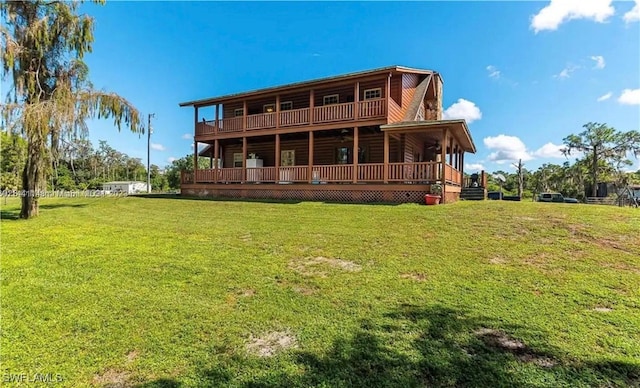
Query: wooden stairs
x,y
473,194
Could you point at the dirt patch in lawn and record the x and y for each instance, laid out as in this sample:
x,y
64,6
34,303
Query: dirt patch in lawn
x,y
418,277
247,293
271,343
246,237
306,291
602,309
497,260
499,340
112,379
320,266
132,355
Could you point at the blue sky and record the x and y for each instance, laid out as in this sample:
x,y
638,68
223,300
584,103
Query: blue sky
x,y
524,74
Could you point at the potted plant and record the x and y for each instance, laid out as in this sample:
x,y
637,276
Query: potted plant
x,y
433,198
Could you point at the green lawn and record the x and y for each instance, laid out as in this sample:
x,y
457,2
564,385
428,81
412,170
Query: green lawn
x,y
175,292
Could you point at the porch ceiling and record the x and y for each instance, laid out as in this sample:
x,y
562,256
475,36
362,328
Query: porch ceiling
x,y
433,128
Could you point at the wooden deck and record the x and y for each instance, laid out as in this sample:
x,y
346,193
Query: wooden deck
x,y
345,112
402,173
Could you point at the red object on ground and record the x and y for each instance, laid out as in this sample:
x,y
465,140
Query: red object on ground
x,y
431,199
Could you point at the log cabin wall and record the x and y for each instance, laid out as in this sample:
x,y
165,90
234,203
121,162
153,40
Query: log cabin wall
x,y
409,84
324,149
413,149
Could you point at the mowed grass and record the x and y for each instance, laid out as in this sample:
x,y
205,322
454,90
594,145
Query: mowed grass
x,y
178,292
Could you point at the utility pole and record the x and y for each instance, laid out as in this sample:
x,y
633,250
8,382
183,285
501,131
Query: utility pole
x,y
149,153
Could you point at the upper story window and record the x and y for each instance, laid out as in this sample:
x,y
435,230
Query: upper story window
x,y
269,108
372,93
286,105
238,112
330,99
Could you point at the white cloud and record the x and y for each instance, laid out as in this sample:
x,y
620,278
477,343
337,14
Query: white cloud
x,y
506,149
493,72
549,150
566,72
473,167
463,109
600,63
605,97
634,14
157,147
630,97
560,11
187,136
171,159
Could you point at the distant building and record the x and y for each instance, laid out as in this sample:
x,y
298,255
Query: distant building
x,y
125,187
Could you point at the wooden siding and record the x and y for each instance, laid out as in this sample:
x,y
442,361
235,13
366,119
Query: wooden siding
x,y
413,147
409,83
396,89
324,150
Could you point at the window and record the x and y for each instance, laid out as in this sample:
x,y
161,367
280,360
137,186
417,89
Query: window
x,y
287,105
372,93
344,155
237,159
238,112
330,99
287,158
269,108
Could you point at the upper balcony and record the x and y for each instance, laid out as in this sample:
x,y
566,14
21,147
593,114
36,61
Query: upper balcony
x,y
332,113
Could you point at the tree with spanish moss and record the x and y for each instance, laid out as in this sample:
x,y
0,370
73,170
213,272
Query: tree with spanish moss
x,y
43,46
600,142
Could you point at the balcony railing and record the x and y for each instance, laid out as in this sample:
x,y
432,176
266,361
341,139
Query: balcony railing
x,y
409,173
321,114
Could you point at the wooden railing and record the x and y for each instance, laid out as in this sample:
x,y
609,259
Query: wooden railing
x,y
413,173
334,112
321,114
370,172
333,173
264,120
294,117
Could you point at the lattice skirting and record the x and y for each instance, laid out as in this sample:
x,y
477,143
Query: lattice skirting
x,y
357,195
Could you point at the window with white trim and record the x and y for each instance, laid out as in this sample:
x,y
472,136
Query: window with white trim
x,y
370,94
238,112
286,105
330,99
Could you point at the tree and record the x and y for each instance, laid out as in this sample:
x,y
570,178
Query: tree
x,y
43,44
13,153
602,143
520,175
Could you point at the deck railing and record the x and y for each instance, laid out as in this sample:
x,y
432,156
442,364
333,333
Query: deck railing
x,y
321,114
409,173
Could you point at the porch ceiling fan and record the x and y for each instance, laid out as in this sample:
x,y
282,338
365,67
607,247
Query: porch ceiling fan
x,y
435,146
344,135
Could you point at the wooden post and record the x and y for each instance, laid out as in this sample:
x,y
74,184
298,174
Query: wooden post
x,y
244,116
356,103
277,111
244,159
385,172
310,164
462,167
388,96
195,149
443,161
216,156
356,154
311,102
277,164
452,143
217,123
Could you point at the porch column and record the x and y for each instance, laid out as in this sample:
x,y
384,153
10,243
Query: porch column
x,y
356,99
388,95
195,148
462,167
310,164
216,156
311,101
277,111
443,161
277,159
215,129
356,154
385,171
244,159
452,143
244,116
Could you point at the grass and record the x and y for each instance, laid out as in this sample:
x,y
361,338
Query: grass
x,y
157,292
